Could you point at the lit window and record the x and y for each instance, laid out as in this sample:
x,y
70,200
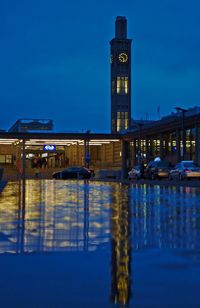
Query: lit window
x,y
122,85
5,159
122,121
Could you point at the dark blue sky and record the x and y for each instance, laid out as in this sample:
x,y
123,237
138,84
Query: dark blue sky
x,y
54,59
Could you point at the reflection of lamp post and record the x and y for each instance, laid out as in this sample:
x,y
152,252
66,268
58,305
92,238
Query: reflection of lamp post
x,y
183,130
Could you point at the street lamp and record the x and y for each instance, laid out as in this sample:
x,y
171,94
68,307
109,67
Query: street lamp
x,y
86,149
140,125
183,130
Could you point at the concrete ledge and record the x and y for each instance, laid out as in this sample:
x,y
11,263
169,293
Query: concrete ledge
x,y
108,174
163,182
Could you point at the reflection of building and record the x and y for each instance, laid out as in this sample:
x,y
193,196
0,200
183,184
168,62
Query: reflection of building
x,y
76,216
164,217
48,216
120,59
121,248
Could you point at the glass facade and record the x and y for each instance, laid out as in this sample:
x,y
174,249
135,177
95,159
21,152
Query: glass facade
x,y
167,146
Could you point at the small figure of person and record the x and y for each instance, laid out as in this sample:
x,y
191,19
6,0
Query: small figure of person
x,y
66,162
34,161
37,173
44,162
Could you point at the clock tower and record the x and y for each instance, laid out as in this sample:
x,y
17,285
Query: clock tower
x,y
120,59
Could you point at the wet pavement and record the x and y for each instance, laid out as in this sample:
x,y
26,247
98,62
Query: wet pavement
x,y
98,244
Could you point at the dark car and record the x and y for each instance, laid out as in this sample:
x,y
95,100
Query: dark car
x,y
158,169
73,173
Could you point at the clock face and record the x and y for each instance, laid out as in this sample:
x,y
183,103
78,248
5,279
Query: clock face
x,y
123,57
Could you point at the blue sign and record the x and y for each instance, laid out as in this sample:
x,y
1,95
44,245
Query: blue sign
x,y
49,147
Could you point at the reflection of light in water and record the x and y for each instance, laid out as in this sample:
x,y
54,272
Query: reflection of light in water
x,y
165,217
64,211
120,243
54,214
78,215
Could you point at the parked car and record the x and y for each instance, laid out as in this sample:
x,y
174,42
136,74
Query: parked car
x,y
74,173
186,169
157,169
135,173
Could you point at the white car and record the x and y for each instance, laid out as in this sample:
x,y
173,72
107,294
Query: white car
x,y
186,169
135,173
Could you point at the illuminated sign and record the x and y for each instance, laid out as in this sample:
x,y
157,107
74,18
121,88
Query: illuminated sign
x,y
49,147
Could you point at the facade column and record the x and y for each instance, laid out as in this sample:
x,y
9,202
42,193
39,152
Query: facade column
x,y
197,144
124,160
147,149
133,152
183,137
151,150
85,152
178,149
161,146
23,159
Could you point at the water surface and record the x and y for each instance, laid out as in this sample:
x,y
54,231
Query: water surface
x,y
95,244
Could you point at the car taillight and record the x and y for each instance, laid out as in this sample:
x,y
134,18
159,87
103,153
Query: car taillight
x,y
187,170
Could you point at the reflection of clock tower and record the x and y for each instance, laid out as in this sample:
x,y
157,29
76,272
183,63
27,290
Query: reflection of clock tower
x,y
120,59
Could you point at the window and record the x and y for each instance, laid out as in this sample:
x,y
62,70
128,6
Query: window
x,y
190,143
122,85
122,120
6,159
113,86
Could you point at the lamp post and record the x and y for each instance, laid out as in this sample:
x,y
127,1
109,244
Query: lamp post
x,y
183,130
86,149
139,143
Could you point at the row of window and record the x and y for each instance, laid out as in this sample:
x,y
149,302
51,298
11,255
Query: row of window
x,y
122,120
169,145
121,87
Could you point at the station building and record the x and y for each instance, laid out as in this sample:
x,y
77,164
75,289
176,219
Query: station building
x,y
164,138
60,150
175,137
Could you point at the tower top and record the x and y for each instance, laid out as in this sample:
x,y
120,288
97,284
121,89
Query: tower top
x,y
121,27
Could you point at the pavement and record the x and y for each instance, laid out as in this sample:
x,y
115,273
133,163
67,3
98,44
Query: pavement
x,y
47,174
